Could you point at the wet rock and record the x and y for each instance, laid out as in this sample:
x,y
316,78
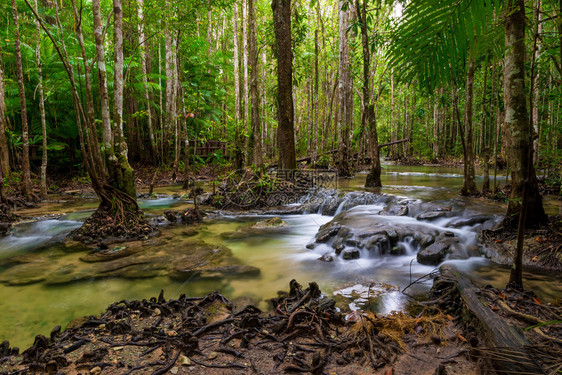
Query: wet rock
x,y
326,258
468,221
432,215
310,246
190,232
339,248
107,255
396,210
399,249
327,231
379,243
435,253
350,254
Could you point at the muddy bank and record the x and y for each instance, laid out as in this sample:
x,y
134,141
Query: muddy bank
x,y
304,333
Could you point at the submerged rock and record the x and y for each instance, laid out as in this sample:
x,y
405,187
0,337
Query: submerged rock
x,y
268,226
180,260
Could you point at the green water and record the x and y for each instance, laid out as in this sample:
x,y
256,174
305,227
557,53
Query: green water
x,y
36,308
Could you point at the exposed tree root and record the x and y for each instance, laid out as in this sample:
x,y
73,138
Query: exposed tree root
x,y
117,219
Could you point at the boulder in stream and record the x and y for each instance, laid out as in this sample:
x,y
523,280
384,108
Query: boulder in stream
x,y
435,253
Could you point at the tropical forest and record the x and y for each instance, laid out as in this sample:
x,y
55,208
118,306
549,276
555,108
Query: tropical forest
x,y
280,187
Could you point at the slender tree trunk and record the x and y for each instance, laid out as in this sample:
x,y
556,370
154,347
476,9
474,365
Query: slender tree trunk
x,y
41,108
316,88
143,54
346,93
26,183
518,125
469,181
256,138
285,129
238,156
4,149
175,120
170,83
107,136
245,68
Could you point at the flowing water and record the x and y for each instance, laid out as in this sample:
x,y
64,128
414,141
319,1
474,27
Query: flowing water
x,y
36,307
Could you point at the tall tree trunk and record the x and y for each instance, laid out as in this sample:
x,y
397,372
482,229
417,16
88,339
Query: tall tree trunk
x,y
517,123
143,53
256,137
170,83
368,120
469,181
485,139
121,175
26,183
238,155
107,137
4,149
41,108
245,69
285,128
346,93
176,121
315,106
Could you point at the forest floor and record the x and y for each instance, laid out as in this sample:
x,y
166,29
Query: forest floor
x,y
304,333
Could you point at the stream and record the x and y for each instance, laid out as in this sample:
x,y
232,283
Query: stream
x,y
44,282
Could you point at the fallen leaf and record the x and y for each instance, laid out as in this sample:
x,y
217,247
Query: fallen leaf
x,y
461,337
449,317
537,301
499,241
501,295
494,308
535,258
419,319
538,239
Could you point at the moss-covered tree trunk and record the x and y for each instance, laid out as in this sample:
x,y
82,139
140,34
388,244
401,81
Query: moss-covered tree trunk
x,y
517,122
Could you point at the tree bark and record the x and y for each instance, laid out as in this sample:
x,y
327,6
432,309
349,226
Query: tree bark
x,y
107,137
368,119
256,136
143,54
345,93
122,175
41,108
517,122
285,129
469,181
4,149
246,86
26,180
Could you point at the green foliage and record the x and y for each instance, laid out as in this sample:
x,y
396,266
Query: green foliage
x,y
432,40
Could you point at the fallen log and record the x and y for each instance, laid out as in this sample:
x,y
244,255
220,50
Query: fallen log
x,y
506,346
395,142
